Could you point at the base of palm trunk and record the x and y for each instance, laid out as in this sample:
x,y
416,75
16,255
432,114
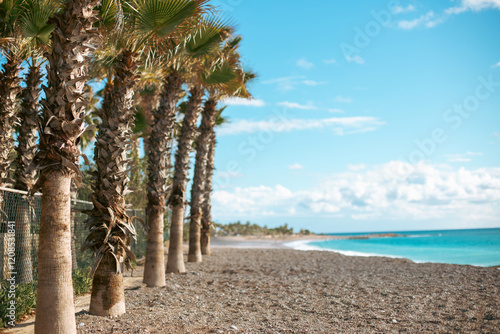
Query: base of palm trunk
x,y
108,294
205,243
154,266
194,253
175,262
195,257
55,311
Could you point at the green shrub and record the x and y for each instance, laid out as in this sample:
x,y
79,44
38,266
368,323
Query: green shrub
x,y
81,282
25,297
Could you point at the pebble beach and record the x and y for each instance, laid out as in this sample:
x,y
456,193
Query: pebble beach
x,y
279,290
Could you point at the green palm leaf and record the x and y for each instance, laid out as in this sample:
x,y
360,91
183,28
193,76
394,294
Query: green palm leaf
x,y
205,37
160,16
34,21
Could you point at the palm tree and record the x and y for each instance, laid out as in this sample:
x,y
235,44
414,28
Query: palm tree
x,y
228,79
63,114
35,31
206,205
12,47
198,43
111,228
177,198
24,176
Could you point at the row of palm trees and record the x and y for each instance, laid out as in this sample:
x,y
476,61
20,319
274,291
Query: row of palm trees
x,y
191,58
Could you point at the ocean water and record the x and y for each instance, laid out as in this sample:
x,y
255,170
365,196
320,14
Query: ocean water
x,y
479,247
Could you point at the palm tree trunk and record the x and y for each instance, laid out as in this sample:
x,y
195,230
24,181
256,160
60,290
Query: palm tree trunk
x,y
110,226
206,218
177,199
158,176
9,89
55,286
108,292
63,122
24,176
202,148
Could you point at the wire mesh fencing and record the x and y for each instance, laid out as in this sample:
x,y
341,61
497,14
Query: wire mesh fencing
x,y
19,235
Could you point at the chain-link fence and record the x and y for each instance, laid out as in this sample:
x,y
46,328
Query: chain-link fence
x,y
19,232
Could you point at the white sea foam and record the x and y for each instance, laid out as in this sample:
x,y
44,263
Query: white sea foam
x,y
304,245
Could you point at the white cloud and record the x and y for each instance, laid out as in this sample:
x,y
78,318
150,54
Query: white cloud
x,y
393,191
497,135
496,65
338,125
330,61
431,20
303,63
466,157
343,99
313,83
356,59
292,82
401,10
428,20
294,105
356,168
336,111
296,166
473,5
237,101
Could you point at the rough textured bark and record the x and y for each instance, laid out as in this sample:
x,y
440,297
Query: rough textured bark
x,y
108,293
74,195
206,217
158,177
111,228
9,90
202,147
55,286
177,199
57,159
27,140
24,176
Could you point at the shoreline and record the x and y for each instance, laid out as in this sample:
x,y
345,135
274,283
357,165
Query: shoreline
x,y
299,243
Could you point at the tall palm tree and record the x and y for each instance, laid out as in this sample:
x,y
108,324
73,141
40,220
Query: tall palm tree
x,y
11,48
146,21
228,79
35,31
177,198
63,113
198,42
24,176
206,205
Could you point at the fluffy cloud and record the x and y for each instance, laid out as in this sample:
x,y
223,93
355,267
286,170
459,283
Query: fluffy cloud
x,y
401,10
330,61
293,105
496,65
292,82
355,59
431,20
466,157
237,101
343,99
339,125
303,63
428,20
394,191
296,166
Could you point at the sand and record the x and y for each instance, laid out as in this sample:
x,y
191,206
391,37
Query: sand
x,y
279,290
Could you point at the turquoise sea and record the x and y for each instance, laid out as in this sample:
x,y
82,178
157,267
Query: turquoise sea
x,y
479,247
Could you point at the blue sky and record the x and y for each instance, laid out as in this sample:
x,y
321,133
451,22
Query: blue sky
x,y
367,116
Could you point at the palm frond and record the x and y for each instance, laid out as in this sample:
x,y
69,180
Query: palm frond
x,y
160,17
